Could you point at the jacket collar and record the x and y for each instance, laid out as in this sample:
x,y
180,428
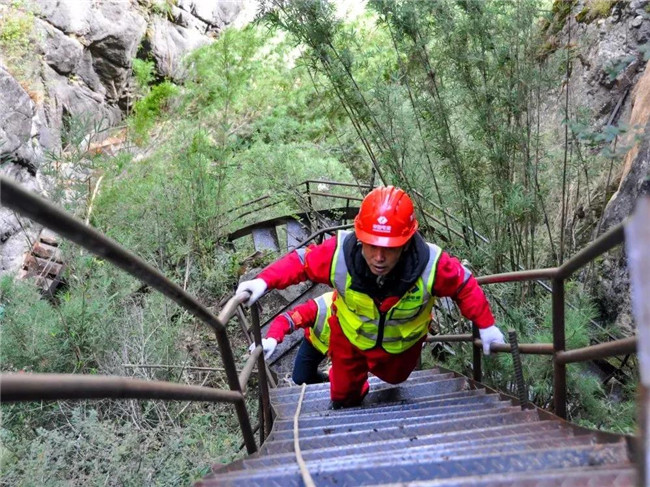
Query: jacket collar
x,y
410,266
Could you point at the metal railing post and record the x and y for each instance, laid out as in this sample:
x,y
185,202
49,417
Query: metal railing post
x,y
266,421
637,234
559,344
233,382
311,206
477,355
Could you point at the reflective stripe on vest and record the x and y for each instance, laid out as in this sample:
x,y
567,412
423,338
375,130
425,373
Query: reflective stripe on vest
x,y
319,333
404,324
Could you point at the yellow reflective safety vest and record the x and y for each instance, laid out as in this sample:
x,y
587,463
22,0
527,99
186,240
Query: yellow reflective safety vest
x,y
404,324
319,333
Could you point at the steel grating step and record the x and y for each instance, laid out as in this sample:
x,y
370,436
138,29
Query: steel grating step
x,y
372,380
391,394
395,470
445,399
419,455
396,421
607,476
470,404
401,449
497,434
324,393
386,434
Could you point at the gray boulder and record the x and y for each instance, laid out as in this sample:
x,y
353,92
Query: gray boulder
x,y
217,14
15,235
170,43
18,125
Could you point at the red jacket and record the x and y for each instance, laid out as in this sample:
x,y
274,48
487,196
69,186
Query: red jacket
x,y
301,316
450,281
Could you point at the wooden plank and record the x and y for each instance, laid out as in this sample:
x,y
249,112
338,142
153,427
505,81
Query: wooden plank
x,y
42,267
49,237
46,251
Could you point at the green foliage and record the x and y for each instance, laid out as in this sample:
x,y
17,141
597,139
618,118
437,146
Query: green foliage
x,y
16,32
159,7
93,451
595,9
601,8
147,109
617,66
143,72
20,45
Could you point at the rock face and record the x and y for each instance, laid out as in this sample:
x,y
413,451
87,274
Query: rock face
x,y
608,87
80,56
613,286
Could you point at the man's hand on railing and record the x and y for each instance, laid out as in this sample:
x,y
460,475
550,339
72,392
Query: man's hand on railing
x,y
255,287
490,335
268,346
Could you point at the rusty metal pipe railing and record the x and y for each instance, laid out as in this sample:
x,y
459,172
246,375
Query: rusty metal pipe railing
x,y
477,356
246,372
559,344
266,421
245,329
50,387
602,350
337,183
531,275
338,196
43,212
602,244
527,348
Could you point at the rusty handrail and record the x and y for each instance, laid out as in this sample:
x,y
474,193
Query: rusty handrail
x,y
602,244
623,346
527,348
557,276
39,210
246,372
49,387
531,275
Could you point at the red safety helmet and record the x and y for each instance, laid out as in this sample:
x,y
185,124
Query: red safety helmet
x,y
386,218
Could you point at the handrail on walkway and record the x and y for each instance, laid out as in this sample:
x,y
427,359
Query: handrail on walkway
x,y
561,357
22,387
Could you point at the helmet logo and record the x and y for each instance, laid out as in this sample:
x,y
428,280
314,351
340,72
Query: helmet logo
x,y
380,226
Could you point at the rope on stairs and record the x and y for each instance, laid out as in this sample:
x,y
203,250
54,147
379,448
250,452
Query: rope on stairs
x,y
306,477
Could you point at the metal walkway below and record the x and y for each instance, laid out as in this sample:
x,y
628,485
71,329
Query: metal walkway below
x,y
435,429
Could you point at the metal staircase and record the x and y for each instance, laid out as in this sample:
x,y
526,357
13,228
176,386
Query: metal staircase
x,y
439,429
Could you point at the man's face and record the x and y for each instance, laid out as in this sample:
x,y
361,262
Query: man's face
x,y
381,260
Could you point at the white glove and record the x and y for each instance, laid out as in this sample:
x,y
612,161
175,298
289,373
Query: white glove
x,y
490,335
255,287
268,346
